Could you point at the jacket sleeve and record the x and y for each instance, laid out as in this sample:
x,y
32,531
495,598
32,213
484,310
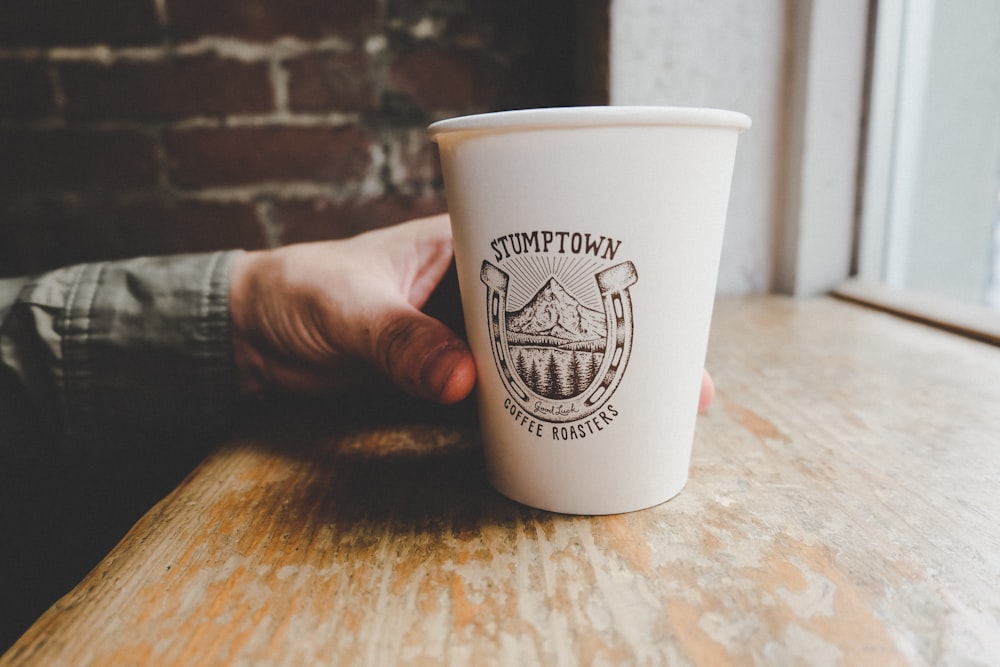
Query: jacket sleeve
x,y
123,349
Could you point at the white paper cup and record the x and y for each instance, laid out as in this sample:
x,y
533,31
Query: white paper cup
x,y
587,242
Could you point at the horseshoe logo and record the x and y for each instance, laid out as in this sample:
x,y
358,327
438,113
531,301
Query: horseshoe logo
x,y
559,358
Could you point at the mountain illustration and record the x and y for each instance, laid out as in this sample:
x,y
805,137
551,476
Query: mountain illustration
x,y
555,314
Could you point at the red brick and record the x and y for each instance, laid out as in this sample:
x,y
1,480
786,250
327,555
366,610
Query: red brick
x,y
462,12
454,80
321,219
329,82
51,232
160,227
25,90
78,22
76,159
194,86
237,156
266,20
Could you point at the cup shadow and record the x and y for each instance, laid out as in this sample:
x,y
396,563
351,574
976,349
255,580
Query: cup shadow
x,y
384,462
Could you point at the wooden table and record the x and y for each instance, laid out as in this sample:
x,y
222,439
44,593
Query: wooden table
x,y
843,508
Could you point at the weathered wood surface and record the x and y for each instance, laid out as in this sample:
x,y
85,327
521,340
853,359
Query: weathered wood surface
x,y
842,510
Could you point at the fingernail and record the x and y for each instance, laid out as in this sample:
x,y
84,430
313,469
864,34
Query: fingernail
x,y
440,365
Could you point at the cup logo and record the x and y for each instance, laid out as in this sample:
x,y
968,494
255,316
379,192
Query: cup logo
x,y
560,322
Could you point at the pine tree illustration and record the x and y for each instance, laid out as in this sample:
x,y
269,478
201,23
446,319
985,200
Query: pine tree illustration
x,y
575,381
594,366
553,390
533,379
521,366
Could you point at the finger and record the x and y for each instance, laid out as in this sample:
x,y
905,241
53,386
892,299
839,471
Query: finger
x,y
707,392
433,255
414,255
424,357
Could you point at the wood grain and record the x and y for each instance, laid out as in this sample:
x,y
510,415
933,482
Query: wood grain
x,y
841,511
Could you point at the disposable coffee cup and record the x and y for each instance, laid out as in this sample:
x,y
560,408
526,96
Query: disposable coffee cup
x,y
587,242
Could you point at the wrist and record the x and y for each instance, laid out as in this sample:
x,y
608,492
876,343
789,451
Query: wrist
x,y
246,357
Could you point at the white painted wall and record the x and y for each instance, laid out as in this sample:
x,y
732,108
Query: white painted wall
x,y
797,68
726,54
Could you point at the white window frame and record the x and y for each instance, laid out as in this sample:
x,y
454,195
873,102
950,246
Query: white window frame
x,y
877,270
816,237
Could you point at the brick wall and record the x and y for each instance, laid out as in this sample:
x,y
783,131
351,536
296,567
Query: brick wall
x,y
157,126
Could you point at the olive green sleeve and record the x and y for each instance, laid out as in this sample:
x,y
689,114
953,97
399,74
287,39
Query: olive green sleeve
x,y
124,349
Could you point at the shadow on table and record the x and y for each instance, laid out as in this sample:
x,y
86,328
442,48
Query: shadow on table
x,y
378,462
63,510
387,462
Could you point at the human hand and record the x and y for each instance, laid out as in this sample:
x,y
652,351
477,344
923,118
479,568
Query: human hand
x,y
316,317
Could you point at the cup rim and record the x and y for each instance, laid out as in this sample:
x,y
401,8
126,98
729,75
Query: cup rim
x,y
590,116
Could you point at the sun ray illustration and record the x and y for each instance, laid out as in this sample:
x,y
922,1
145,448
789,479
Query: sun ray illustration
x,y
530,276
574,273
579,281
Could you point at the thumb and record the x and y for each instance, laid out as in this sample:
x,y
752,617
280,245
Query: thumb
x,y
424,357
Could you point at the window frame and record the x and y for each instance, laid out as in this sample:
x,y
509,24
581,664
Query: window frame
x,y
828,61
875,196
